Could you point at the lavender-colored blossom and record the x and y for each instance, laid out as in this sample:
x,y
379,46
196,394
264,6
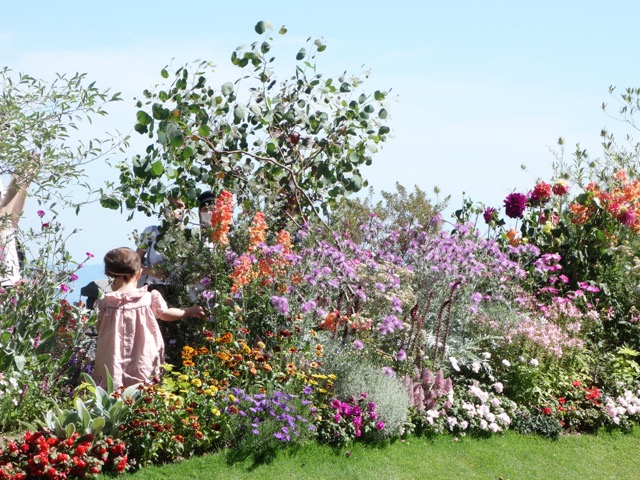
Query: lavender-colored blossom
x,y
308,306
358,345
280,303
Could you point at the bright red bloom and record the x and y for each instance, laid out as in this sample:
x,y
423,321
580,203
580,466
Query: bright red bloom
x,y
546,410
541,193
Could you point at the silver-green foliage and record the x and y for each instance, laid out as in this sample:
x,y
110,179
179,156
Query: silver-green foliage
x,y
356,376
100,414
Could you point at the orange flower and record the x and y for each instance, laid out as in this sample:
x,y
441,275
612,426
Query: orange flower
x,y
257,231
221,217
241,275
580,213
512,237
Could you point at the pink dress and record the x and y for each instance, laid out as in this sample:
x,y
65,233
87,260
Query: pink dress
x,y
130,344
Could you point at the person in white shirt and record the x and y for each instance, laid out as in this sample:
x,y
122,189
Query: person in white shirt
x,y
11,206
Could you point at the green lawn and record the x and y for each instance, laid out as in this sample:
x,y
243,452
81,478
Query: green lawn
x,y
512,456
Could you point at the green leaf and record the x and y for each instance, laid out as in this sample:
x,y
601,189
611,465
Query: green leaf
x,y
227,89
143,118
282,30
157,169
260,27
20,362
383,113
204,130
97,424
164,73
301,54
378,95
177,141
111,203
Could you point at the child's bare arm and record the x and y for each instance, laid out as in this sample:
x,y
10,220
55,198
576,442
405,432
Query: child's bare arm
x,y
173,314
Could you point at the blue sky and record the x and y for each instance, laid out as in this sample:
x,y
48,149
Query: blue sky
x,y
481,87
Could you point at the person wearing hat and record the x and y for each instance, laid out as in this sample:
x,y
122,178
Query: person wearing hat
x,y
206,204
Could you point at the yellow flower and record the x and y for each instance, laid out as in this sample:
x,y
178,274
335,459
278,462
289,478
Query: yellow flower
x,y
322,390
261,345
232,398
215,411
196,382
184,378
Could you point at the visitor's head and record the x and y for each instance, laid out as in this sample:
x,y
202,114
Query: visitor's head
x,y
206,203
122,263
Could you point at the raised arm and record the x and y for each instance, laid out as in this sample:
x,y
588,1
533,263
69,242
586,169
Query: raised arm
x,y
173,314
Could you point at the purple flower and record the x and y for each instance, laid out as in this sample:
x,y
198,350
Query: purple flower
x,y
73,277
307,390
515,204
40,213
64,288
489,214
208,295
401,356
89,254
380,425
308,306
281,304
205,281
388,371
358,345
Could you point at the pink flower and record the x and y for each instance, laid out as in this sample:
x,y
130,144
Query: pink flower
x,y
73,277
40,213
89,254
64,288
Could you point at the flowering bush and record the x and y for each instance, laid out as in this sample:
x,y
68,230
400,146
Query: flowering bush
x,y
340,422
43,455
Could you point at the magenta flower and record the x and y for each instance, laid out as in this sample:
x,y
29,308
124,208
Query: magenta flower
x,y
89,254
490,214
40,213
64,288
380,425
73,277
515,205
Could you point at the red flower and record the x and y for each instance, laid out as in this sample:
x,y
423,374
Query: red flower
x,y
546,410
562,400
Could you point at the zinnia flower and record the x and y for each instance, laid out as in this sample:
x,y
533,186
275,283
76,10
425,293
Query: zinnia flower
x,y
515,205
541,193
561,188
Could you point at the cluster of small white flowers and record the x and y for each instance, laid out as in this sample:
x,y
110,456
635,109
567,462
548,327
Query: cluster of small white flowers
x,y
485,414
10,387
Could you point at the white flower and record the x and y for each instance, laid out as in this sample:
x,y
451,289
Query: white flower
x,y
521,359
534,362
475,366
498,387
454,364
486,355
506,363
494,428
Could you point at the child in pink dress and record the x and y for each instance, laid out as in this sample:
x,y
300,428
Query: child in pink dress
x,y
130,345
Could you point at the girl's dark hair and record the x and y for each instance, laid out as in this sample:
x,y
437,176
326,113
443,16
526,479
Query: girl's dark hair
x,y
122,262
